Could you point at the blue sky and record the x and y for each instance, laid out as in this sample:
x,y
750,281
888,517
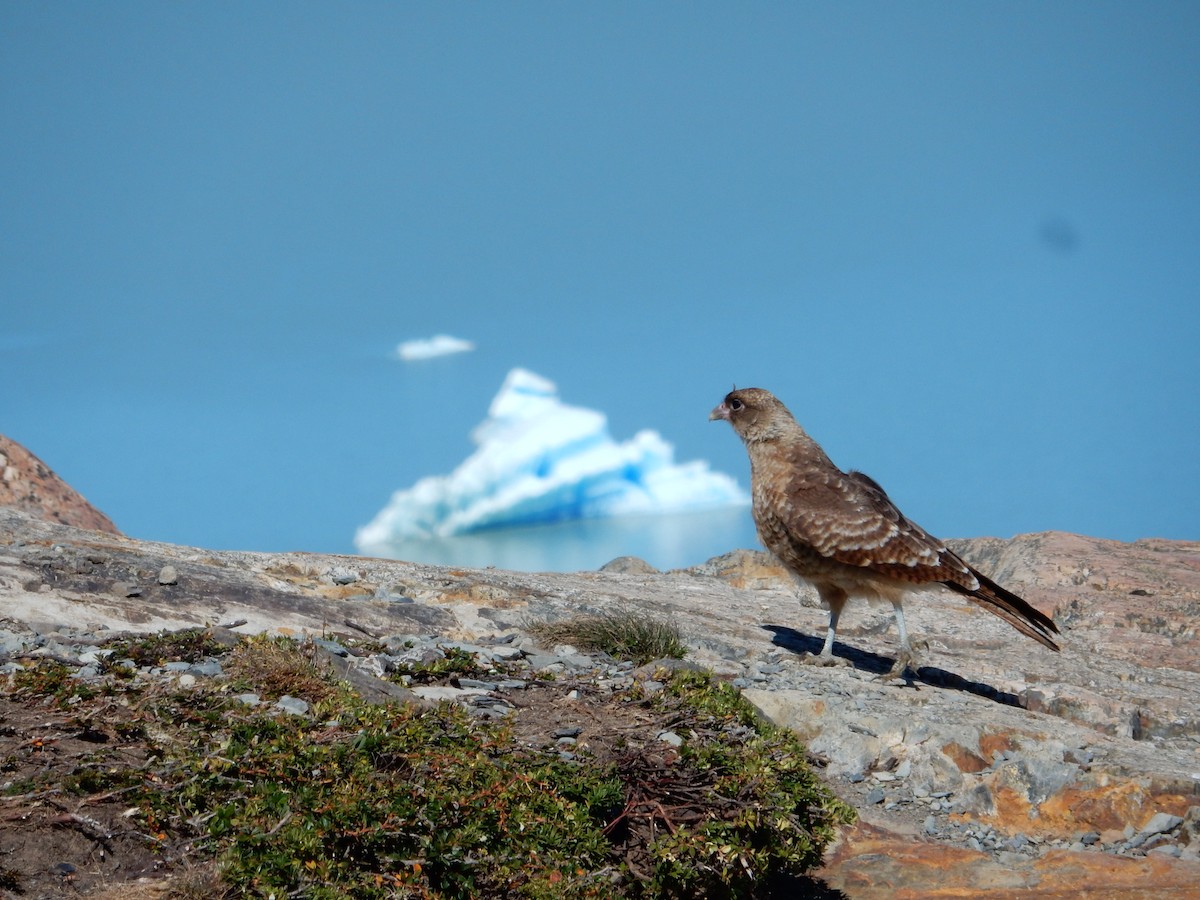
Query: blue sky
x,y
960,241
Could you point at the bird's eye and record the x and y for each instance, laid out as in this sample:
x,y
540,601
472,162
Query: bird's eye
x,y
735,404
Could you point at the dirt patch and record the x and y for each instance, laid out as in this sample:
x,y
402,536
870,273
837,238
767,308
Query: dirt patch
x,y
65,827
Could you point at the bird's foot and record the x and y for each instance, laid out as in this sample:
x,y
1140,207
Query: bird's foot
x,y
823,659
906,662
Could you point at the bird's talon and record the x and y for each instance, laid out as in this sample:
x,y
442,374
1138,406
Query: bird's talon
x,y
904,666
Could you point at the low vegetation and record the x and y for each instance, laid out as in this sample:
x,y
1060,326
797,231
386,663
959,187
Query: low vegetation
x,y
401,800
623,634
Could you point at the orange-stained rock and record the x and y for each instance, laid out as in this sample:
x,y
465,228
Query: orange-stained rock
x,y
966,760
871,862
30,485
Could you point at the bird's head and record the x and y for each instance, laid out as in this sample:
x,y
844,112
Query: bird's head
x,y
755,414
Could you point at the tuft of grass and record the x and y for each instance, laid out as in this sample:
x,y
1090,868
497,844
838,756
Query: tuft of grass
x,y
275,666
623,634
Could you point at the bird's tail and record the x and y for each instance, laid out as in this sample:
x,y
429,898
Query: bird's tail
x,y
1008,606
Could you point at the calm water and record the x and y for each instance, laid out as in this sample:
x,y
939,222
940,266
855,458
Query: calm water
x,y
666,542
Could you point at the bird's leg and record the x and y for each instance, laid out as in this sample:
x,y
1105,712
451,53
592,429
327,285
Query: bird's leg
x,y
907,658
836,600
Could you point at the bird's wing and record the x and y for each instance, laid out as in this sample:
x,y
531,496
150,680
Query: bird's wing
x,y
847,517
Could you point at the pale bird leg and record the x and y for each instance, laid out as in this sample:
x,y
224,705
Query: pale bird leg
x,y
836,599
907,657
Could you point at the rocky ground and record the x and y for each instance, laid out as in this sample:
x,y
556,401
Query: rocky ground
x,y
1002,768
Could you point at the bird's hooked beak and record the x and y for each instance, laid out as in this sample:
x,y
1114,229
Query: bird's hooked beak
x,y
719,412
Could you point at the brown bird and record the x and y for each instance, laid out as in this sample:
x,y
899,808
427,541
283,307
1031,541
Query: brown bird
x,y
840,532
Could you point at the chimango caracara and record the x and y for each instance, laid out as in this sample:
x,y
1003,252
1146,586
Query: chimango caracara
x,y
840,532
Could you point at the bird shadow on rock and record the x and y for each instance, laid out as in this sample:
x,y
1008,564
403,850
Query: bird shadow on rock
x,y
865,661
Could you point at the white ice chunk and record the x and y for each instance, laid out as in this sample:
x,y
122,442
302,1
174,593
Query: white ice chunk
x,y
428,348
540,460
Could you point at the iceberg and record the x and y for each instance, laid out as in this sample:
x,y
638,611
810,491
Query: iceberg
x,y
428,348
540,460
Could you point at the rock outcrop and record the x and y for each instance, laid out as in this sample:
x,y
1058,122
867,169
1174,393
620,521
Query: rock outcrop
x,y
29,484
1002,768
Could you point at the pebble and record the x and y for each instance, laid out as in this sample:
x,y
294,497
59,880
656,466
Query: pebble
x,y
168,575
477,684
332,646
1160,823
292,705
670,737
343,576
1170,850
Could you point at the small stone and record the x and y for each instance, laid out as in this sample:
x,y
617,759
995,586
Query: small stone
x,y
293,705
572,732
332,646
628,565
187,681
168,575
883,776
477,684
1170,850
506,654
930,826
875,797
670,737
1161,823
1089,838
248,698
